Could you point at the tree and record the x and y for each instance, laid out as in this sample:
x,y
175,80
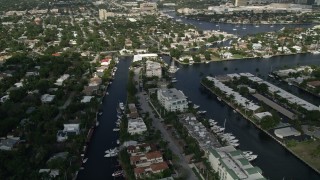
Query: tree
x,y
17,94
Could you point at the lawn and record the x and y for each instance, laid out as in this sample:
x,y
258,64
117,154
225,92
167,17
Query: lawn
x,y
305,151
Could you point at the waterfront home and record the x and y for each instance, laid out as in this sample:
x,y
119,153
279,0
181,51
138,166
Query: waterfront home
x,y
60,80
47,98
72,128
141,172
231,164
172,99
86,99
140,149
136,126
146,159
9,143
261,115
153,69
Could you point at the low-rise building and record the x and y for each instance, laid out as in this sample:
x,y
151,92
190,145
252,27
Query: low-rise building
x,y
47,98
9,143
61,79
286,132
231,164
172,99
136,126
153,69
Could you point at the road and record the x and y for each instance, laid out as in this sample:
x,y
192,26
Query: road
x,y
142,96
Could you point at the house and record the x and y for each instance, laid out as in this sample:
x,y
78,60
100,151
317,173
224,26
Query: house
x,y
86,99
153,69
9,143
139,149
72,128
261,115
61,79
256,46
172,99
95,81
47,98
147,159
136,126
141,172
105,62
128,43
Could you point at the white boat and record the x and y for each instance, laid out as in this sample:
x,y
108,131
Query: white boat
x,y
247,152
257,26
121,106
117,173
234,141
85,160
201,112
234,144
116,129
107,93
315,52
195,106
118,141
173,81
251,157
267,56
119,116
270,75
234,29
290,84
97,123
100,113
219,99
234,111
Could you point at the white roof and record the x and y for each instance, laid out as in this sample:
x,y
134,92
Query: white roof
x,y
262,115
47,98
287,131
86,99
139,57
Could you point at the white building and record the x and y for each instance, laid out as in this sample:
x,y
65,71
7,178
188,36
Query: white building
x,y
102,14
61,79
286,132
136,126
172,99
231,164
153,69
72,128
47,98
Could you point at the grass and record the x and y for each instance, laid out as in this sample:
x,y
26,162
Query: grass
x,y
305,149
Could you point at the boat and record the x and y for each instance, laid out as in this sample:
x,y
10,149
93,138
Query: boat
x,y
119,116
85,160
173,81
270,75
234,144
234,29
251,157
117,173
257,26
195,106
266,56
116,129
97,123
234,111
290,84
219,98
201,112
121,106
118,141
100,113
247,152
315,52
107,93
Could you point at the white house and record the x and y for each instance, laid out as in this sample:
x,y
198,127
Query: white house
x,y
9,143
136,126
61,79
72,128
172,99
153,69
47,98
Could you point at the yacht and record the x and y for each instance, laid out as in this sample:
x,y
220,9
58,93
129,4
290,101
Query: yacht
x,y
251,157
117,173
266,56
85,160
118,141
247,152
201,112
97,123
234,29
121,106
219,98
195,106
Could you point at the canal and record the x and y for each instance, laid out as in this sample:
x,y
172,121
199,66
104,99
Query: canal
x,y
274,160
97,166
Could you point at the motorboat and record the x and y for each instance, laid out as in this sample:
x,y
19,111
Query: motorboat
x,y
121,106
219,99
85,160
117,173
118,141
116,129
247,152
201,112
195,106
100,113
234,144
97,123
251,157
107,93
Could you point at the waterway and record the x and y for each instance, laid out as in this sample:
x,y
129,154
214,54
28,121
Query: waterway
x,y
98,167
240,31
274,160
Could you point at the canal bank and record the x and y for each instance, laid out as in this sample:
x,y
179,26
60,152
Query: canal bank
x,y
257,126
274,160
97,166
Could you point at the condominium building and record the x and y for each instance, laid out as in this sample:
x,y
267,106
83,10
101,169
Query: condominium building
x,y
172,99
231,164
153,69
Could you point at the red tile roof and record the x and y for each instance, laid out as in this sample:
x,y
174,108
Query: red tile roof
x,y
138,170
153,155
159,166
